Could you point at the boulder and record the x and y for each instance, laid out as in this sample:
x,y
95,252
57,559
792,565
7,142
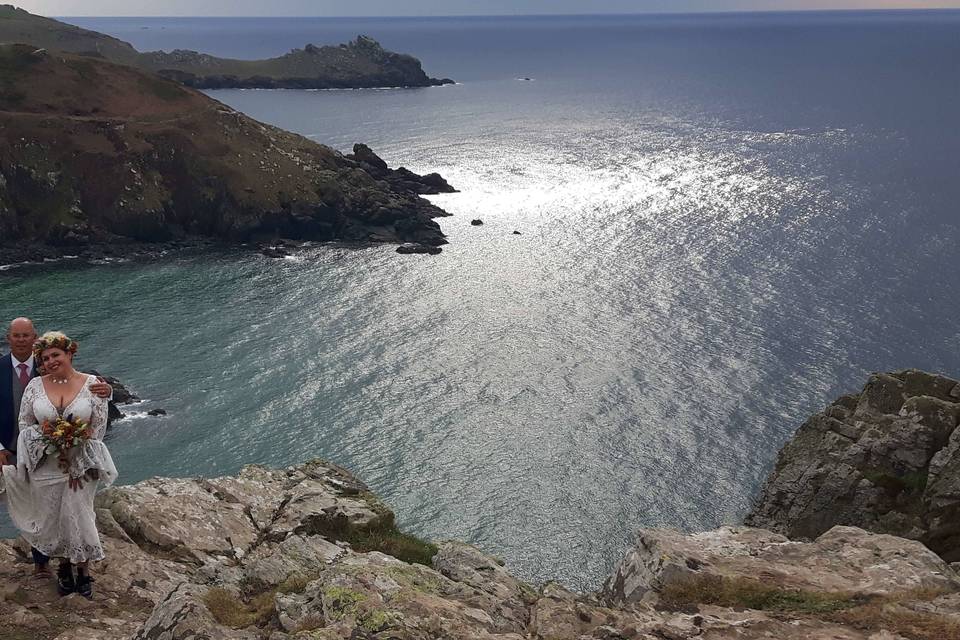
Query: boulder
x,y
205,519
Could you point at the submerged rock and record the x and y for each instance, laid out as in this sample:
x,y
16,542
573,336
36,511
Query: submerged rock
x,y
886,459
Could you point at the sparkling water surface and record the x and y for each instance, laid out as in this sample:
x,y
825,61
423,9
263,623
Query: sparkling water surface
x,y
725,222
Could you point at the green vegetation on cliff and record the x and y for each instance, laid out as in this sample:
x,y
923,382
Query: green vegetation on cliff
x,y
97,152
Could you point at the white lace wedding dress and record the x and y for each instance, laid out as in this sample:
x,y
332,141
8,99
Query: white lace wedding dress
x,y
52,517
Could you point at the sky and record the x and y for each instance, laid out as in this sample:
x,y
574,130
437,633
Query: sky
x,y
444,7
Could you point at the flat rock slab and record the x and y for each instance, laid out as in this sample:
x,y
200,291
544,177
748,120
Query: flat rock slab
x,y
845,559
196,518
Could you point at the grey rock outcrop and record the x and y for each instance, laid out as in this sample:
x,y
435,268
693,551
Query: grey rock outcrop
x,y
886,459
401,178
301,553
844,559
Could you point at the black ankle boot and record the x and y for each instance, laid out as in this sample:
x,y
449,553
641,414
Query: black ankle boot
x,y
65,582
84,587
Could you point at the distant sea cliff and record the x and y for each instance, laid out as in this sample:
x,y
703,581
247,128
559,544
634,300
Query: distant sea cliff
x,y
362,63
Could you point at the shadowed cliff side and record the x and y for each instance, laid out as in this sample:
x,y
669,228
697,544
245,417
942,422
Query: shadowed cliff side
x,y
95,152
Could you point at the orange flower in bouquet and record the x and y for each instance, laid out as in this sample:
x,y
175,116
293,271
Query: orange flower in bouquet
x,y
63,434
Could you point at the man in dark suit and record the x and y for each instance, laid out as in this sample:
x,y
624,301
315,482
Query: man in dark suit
x,y
16,370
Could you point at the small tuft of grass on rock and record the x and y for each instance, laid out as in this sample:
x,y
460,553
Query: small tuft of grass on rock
x,y
913,483
381,535
891,612
311,622
295,583
231,611
752,594
394,542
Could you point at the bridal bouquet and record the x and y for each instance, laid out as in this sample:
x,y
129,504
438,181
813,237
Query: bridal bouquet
x,y
63,434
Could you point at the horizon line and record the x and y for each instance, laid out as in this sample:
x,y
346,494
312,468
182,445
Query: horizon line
x,y
544,15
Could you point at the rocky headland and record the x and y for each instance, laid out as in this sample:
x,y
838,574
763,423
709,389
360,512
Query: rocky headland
x,y
309,552
362,63
886,459
101,158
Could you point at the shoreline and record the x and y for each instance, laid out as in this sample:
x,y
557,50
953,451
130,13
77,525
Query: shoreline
x,y
103,254
40,254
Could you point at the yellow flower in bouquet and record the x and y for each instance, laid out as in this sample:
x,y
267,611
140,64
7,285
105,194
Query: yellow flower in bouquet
x,y
63,434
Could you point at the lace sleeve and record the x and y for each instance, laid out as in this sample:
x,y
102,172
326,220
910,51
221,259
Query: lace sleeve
x,y
93,454
30,448
27,418
98,416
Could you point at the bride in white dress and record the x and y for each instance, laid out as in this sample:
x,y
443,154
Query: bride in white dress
x,y
49,496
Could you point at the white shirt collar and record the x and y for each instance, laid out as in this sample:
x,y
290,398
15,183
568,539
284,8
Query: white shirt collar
x,y
17,363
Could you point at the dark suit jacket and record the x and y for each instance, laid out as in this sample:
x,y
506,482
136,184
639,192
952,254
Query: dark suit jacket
x,y
8,413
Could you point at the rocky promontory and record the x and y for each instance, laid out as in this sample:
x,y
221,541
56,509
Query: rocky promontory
x,y
362,63
886,459
310,553
96,154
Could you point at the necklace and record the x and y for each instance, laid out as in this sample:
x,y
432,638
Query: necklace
x,y
61,380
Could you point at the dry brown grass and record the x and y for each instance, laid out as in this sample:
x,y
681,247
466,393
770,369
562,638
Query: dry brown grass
x,y
866,613
230,610
888,615
752,594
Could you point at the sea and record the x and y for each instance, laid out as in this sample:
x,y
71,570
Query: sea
x,y
725,221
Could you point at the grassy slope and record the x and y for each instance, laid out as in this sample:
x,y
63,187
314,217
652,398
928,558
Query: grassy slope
x,y
87,143
19,26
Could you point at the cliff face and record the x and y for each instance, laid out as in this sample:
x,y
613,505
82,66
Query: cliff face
x,y
358,64
94,152
886,459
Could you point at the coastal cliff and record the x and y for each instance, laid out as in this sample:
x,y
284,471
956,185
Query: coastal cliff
x,y
96,154
309,552
362,63
886,459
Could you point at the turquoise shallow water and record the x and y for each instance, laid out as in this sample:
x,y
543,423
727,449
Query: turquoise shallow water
x,y
719,235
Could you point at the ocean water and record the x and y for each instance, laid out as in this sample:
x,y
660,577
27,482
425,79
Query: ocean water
x,y
726,221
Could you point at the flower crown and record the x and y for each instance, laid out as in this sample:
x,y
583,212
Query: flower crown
x,y
54,340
